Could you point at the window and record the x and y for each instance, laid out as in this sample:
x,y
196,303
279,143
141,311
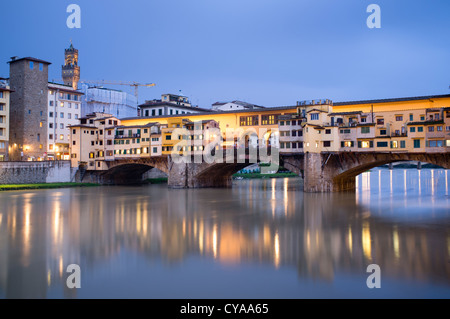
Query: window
x,y
76,116
269,119
31,65
365,144
439,128
347,144
394,144
76,106
327,131
422,117
69,116
314,116
61,115
430,128
41,67
416,143
50,136
61,137
171,112
447,128
168,137
345,131
50,114
153,112
61,104
51,103
382,144
402,144
29,111
399,117
160,111
363,119
326,143
420,129
412,129
91,155
365,130
2,106
380,121
249,120
411,117
155,150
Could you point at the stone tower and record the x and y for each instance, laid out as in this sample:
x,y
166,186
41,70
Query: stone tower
x,y
71,70
28,108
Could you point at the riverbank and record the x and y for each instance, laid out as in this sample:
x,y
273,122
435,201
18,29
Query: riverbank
x,y
160,180
259,175
44,186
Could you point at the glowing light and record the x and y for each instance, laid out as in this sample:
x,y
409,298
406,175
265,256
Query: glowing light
x,y
215,241
60,266
350,240
366,241
277,250
396,243
49,277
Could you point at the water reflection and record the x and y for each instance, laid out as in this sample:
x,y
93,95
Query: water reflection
x,y
397,218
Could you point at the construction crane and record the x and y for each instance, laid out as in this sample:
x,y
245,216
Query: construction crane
x,y
132,84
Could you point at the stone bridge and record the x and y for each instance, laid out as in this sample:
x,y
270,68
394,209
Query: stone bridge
x,y
322,172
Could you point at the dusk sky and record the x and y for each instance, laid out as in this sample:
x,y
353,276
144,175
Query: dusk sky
x,y
267,52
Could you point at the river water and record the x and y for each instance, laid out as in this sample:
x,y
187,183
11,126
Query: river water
x,y
258,239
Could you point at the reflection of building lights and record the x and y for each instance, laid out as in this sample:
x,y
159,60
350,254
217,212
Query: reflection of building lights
x,y
350,240
366,241
277,250
308,241
446,182
432,183
215,241
60,265
285,193
49,277
396,243
200,237
1,219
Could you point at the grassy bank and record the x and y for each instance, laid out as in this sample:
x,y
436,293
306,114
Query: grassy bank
x,y
44,186
259,175
162,180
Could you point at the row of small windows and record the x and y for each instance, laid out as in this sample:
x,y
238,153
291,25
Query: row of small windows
x,y
61,104
61,137
284,145
61,115
291,133
134,141
65,96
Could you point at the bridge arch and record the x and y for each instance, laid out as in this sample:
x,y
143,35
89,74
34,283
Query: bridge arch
x,y
331,172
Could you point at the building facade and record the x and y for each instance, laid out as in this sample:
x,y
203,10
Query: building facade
x,y
102,100
28,108
169,104
234,106
5,92
64,109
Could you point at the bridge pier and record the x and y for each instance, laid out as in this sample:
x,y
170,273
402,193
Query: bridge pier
x,y
187,175
321,175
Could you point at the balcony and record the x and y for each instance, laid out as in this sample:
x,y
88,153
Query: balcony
x,y
403,134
